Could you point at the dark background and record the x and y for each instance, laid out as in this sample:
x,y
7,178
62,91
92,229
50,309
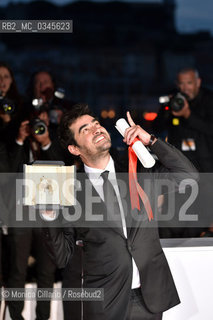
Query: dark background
x,y
121,55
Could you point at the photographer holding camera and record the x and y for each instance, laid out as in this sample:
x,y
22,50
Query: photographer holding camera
x,y
43,92
188,119
23,242
36,140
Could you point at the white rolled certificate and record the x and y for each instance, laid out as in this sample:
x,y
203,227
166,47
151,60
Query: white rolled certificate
x,y
140,150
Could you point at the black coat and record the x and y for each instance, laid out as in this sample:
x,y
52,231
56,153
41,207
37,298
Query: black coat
x,y
107,254
19,154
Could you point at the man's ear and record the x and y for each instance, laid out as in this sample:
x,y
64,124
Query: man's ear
x,y
74,150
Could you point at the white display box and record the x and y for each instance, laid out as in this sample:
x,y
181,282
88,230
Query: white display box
x,y
49,184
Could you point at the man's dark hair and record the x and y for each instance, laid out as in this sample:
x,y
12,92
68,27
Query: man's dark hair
x,y
66,136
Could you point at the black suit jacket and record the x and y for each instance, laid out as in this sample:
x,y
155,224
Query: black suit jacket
x,y
19,154
107,254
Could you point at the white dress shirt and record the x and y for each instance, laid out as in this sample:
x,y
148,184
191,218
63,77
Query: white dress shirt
x,y
97,182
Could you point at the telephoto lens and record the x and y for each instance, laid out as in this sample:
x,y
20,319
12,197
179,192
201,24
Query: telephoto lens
x,y
38,126
6,105
177,102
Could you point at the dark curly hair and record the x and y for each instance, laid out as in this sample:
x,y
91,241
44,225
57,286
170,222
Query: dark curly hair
x,y
66,135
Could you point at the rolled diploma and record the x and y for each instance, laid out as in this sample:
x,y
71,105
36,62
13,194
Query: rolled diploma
x,y
140,150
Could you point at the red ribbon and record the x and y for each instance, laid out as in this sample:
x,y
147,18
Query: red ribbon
x,y
135,189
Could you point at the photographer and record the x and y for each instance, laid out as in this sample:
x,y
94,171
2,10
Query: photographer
x,y
23,242
36,140
187,120
47,102
37,134
190,129
43,91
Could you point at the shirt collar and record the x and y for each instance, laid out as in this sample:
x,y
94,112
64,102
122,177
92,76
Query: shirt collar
x,y
95,173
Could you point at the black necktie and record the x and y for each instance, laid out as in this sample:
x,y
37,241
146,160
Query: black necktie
x,y
111,201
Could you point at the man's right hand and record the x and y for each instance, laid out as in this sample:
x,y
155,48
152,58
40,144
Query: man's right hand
x,y
185,112
5,117
24,131
48,215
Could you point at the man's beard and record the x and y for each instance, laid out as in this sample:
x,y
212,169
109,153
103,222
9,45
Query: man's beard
x,y
101,150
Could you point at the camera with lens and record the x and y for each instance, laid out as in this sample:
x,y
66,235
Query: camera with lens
x,y
39,106
38,127
6,105
54,100
174,102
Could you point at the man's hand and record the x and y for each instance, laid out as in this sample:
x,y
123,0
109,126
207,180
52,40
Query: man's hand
x,y
48,215
5,117
135,131
24,131
184,112
43,139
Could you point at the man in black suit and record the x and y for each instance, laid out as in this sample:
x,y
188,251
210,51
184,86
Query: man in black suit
x,y
125,260
22,242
